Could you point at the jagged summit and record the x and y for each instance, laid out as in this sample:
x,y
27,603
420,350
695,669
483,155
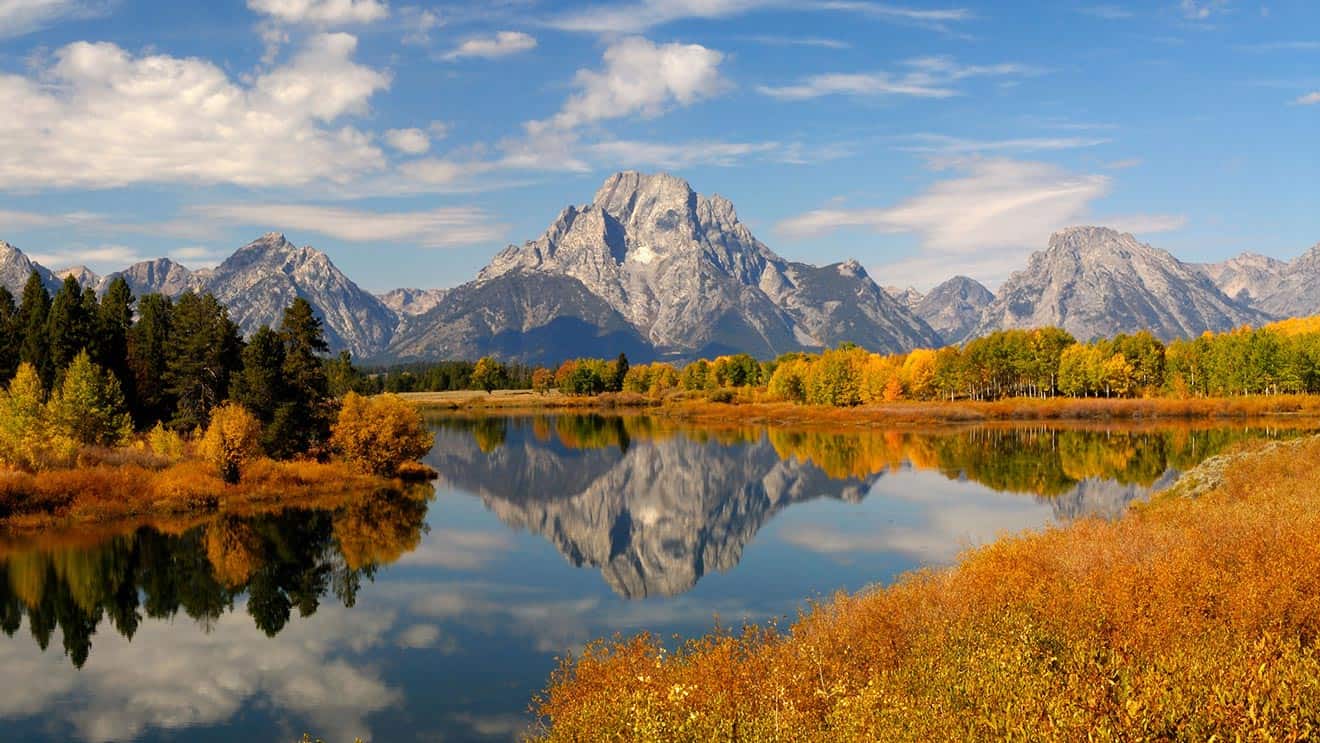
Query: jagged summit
x,y
1097,282
954,307
692,279
16,267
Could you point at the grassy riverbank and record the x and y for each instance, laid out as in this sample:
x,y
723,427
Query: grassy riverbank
x,y
1193,617
111,491
751,407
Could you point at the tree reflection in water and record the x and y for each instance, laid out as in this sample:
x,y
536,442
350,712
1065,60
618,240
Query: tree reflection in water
x,y
282,561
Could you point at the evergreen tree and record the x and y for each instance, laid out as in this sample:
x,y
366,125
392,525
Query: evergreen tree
x,y
9,336
148,344
620,372
33,312
302,421
114,322
260,385
203,350
69,326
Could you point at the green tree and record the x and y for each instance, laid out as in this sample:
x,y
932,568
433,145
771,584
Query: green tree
x,y
33,312
303,420
115,319
148,358
344,378
203,350
9,336
89,405
620,373
69,327
259,385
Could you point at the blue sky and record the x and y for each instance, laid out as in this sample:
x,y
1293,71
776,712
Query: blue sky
x,y
412,140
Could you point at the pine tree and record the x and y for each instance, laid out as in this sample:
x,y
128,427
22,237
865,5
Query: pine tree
x,y
9,336
148,342
114,321
203,350
260,385
302,421
69,326
33,312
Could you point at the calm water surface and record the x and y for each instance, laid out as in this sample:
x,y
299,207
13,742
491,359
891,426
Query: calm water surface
x,y
437,615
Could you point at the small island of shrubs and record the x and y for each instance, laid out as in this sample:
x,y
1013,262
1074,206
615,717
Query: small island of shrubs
x,y
107,411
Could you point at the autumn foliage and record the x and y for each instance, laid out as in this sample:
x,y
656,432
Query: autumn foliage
x,y
379,434
232,438
1188,619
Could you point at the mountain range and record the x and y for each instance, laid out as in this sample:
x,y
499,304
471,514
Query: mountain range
x,y
654,269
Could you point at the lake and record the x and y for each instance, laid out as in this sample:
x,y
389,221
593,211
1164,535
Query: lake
x,y
436,614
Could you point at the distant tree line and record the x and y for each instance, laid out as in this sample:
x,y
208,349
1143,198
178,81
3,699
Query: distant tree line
x,y
1282,358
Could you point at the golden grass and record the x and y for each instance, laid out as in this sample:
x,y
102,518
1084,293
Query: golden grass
x,y
1188,619
750,406
108,492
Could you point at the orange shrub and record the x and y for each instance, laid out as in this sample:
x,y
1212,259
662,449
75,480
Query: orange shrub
x,y
378,434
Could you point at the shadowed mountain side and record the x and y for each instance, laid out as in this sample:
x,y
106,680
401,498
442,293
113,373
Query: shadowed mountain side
x,y
654,516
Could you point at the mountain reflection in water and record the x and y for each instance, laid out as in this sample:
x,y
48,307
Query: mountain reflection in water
x,y
439,612
655,506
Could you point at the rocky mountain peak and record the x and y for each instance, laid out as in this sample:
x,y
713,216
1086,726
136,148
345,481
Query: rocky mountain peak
x,y
954,307
82,274
15,268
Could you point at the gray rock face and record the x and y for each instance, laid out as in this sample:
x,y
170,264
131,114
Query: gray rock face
x,y
1095,282
265,276
161,276
1248,277
1295,291
954,308
909,297
15,268
84,276
411,302
653,517
692,279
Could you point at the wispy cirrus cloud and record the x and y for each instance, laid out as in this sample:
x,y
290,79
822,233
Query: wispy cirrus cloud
x,y
641,16
322,12
946,145
982,221
434,228
1310,99
923,77
19,17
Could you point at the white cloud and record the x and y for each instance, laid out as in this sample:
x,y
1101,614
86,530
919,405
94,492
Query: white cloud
x,y
808,41
501,44
640,16
98,258
419,22
436,228
456,549
630,153
408,141
924,77
18,17
321,12
1310,99
938,143
99,117
983,221
640,77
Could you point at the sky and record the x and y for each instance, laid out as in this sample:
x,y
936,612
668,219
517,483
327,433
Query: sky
x,y
412,140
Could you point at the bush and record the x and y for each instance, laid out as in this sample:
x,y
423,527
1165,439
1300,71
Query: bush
x,y
379,434
232,438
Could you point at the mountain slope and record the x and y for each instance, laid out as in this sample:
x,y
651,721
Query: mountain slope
x,y
954,308
1247,277
263,277
1095,282
1295,291
692,279
161,276
15,268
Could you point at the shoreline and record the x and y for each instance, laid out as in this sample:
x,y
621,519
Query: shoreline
x,y
751,411
106,495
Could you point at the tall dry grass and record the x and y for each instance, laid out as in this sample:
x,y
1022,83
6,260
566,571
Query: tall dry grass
x,y
1188,619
